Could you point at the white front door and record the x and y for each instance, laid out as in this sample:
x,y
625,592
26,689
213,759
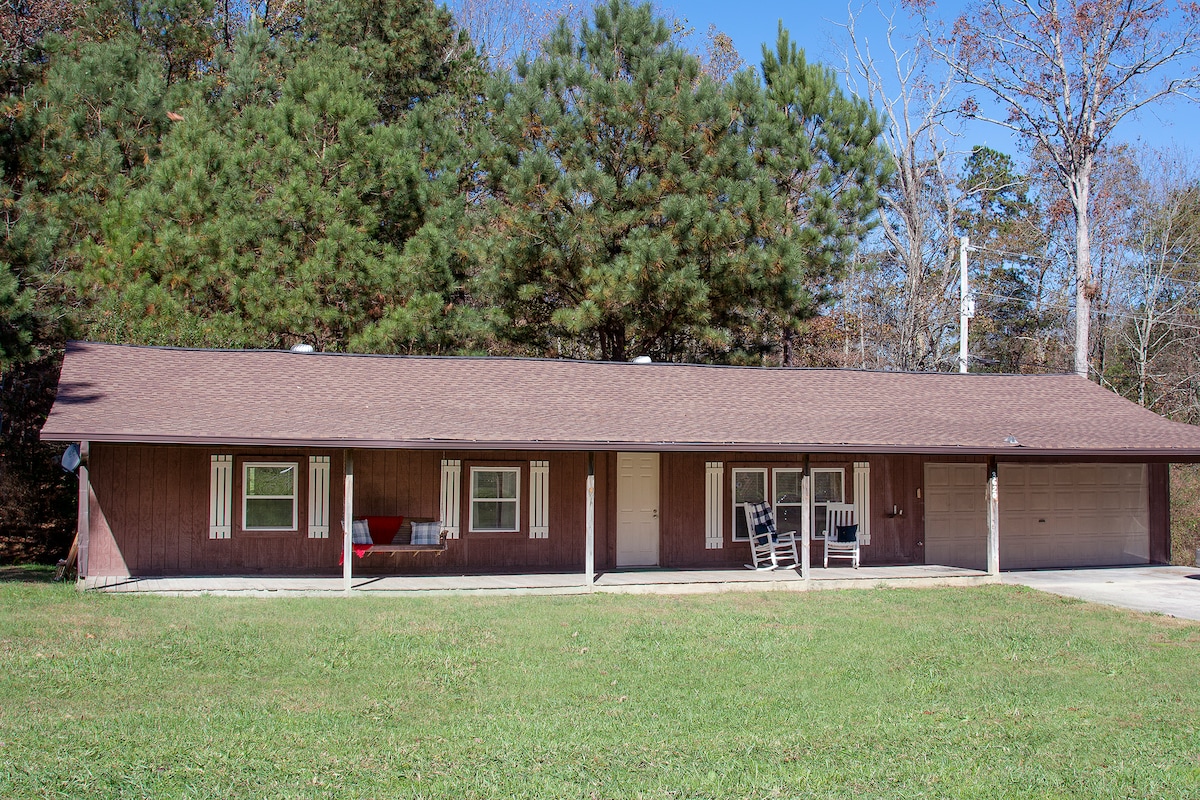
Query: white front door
x,y
637,509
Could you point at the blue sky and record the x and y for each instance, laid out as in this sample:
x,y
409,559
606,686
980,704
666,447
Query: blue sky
x,y
814,26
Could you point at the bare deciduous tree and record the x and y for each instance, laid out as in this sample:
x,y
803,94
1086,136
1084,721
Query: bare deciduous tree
x,y
1062,74
1153,294
503,29
919,263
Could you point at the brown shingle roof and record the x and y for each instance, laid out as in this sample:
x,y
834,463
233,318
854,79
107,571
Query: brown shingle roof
x,y
147,394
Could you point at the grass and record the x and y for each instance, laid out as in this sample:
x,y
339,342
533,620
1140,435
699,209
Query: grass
x,y
987,692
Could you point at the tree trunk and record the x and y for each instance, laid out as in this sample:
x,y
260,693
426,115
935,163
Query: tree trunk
x,y
1084,288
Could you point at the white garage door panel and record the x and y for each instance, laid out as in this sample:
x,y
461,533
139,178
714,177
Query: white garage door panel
x,y
1063,515
955,515
1078,515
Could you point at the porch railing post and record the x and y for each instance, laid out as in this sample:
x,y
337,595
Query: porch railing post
x,y
348,526
589,559
993,518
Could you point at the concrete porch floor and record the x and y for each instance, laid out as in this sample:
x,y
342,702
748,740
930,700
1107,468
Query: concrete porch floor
x,y
639,581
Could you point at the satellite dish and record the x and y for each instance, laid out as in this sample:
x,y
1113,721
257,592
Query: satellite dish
x,y
71,459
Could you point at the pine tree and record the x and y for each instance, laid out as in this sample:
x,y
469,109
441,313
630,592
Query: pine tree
x,y
282,208
1002,220
633,207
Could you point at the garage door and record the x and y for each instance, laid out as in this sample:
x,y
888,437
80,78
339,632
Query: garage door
x,y
1078,515
956,515
1058,515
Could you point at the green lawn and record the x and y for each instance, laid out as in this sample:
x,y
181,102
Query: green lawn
x,y
987,692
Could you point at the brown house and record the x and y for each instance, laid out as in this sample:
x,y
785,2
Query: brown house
x,y
209,462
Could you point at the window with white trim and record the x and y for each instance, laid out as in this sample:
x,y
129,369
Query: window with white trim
x,y
749,486
269,493
783,488
829,486
789,499
495,504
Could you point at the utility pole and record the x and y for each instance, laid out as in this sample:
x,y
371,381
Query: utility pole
x,y
966,303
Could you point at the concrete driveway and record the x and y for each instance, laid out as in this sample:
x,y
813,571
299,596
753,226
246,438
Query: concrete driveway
x,y
1167,590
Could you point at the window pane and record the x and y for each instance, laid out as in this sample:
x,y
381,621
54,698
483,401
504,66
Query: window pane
x,y
789,518
749,487
819,521
740,531
494,515
827,487
268,513
787,486
270,480
488,484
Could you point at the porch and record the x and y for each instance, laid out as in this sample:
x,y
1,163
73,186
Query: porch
x,y
633,581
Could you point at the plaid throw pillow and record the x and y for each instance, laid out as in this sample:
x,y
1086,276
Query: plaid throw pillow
x,y
426,532
361,532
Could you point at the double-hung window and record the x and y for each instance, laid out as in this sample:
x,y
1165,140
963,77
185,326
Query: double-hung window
x,y
269,492
829,486
749,486
783,489
495,504
789,499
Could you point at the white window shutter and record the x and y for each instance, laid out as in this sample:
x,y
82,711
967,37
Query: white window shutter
x,y
539,499
862,500
318,497
714,495
451,488
220,495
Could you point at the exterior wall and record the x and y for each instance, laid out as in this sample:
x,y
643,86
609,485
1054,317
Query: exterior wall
x,y
408,483
894,481
149,504
897,481
1160,513
149,516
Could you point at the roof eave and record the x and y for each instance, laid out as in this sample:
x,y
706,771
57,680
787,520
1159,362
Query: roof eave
x,y
1004,452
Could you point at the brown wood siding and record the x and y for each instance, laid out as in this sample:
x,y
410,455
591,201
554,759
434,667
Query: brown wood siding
x,y
683,499
148,512
149,516
408,482
899,538
681,513
1159,487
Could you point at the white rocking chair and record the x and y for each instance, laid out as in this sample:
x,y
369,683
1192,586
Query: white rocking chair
x,y
841,533
769,547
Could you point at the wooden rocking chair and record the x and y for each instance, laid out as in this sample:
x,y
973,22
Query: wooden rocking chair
x,y
769,547
841,533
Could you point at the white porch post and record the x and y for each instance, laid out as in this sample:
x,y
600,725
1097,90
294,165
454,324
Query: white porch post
x,y
83,528
348,525
993,518
589,558
805,520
